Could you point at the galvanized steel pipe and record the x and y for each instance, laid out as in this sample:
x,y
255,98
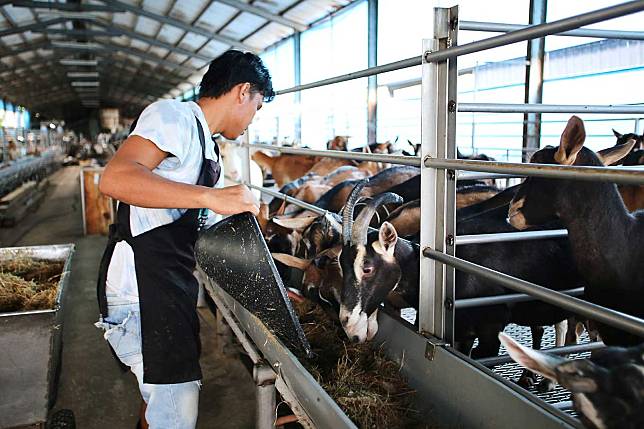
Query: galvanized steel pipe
x,y
575,172
497,27
548,108
506,299
462,240
413,161
592,311
530,32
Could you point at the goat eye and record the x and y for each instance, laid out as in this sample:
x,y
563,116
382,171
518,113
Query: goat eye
x,y
367,270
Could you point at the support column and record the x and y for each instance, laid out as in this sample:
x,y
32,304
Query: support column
x,y
266,396
297,54
534,79
372,86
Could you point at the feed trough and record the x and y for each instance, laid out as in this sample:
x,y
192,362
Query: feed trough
x,y
31,344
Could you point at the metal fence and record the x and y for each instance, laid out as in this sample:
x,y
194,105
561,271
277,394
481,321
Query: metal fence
x,y
438,166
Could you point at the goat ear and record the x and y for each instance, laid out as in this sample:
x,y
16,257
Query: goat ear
x,y
281,209
579,376
614,154
533,360
296,223
388,237
572,140
262,217
292,261
616,134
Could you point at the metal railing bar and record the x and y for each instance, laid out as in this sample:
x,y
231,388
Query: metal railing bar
x,y
527,33
506,299
413,161
629,176
538,31
462,240
592,311
564,350
480,176
497,27
548,108
288,199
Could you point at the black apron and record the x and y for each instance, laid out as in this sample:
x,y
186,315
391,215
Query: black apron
x,y
164,260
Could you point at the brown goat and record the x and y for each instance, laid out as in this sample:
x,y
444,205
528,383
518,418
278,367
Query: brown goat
x,y
285,168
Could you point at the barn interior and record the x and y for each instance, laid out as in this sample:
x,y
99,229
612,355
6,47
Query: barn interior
x,y
416,132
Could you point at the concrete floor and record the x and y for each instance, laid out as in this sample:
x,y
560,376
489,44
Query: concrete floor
x,y
91,383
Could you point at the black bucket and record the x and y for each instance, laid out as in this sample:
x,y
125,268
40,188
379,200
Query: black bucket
x,y
235,256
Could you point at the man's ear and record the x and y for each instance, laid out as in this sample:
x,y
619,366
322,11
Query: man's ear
x,y
244,92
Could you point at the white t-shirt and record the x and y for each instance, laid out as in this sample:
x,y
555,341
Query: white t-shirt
x,y
171,125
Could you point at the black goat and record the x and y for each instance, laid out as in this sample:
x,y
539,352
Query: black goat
x,y
606,239
607,389
378,266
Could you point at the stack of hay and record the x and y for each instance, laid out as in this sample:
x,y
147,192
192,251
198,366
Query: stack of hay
x,y
364,383
28,284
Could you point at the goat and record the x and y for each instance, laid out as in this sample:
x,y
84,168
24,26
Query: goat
x,y
285,168
231,156
626,138
605,238
607,389
338,143
633,195
335,198
377,264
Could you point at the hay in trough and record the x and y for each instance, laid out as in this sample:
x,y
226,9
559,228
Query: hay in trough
x,y
364,383
28,284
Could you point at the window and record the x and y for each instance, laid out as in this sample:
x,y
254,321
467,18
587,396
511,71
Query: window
x,y
495,75
335,47
275,122
582,70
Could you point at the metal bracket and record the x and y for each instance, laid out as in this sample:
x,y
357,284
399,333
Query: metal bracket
x,y
432,344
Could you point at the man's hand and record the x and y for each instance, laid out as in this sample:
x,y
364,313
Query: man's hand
x,y
232,200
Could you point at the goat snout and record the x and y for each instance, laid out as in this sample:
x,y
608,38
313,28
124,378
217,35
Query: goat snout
x,y
355,323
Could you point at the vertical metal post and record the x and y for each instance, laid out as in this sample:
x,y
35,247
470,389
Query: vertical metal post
x,y
266,396
429,124
441,33
450,189
372,86
297,53
534,79
245,164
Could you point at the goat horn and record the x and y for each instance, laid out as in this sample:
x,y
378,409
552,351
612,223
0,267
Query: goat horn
x,y
347,214
361,225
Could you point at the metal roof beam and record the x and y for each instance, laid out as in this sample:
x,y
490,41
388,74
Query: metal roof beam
x,y
80,33
180,24
111,47
154,42
32,27
69,7
24,47
265,14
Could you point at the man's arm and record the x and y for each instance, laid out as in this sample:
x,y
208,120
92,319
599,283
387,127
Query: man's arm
x,y
128,177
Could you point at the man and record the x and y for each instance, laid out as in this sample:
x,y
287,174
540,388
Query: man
x,y
163,176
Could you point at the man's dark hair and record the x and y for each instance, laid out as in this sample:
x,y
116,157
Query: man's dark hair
x,y
232,68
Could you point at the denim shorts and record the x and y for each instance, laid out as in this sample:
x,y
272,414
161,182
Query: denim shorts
x,y
169,406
